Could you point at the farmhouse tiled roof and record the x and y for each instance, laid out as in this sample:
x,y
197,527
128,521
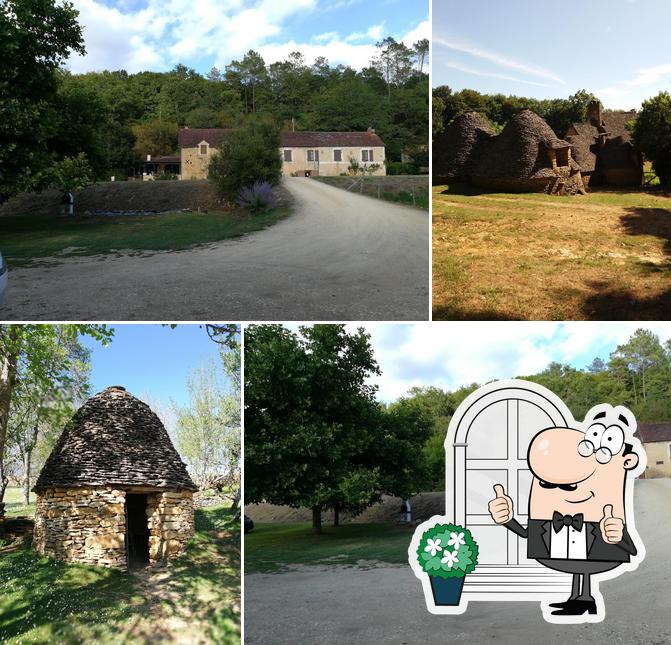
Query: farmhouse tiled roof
x,y
114,439
654,432
191,137
330,139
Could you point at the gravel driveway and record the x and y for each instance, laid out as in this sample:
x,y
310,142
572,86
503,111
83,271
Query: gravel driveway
x,y
340,256
385,604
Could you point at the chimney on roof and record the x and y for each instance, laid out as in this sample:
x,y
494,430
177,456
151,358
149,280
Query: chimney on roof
x,y
121,388
594,113
371,129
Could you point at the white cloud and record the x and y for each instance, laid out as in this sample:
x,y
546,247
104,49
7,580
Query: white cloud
x,y
449,355
505,77
497,59
166,32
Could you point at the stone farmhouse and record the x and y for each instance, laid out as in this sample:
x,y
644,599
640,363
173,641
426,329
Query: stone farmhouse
x,y
527,156
114,491
656,440
303,153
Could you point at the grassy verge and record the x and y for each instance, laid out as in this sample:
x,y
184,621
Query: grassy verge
x,y
28,238
45,601
604,256
269,547
392,188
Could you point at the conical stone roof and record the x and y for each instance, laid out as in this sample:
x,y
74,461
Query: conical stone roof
x,y
461,145
520,151
114,439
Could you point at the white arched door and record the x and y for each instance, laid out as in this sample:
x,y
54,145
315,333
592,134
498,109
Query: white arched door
x,y
487,444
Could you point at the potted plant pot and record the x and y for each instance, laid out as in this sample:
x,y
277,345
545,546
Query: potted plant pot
x,y
446,553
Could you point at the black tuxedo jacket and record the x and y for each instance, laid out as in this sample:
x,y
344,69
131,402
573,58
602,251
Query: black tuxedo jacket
x,y
538,541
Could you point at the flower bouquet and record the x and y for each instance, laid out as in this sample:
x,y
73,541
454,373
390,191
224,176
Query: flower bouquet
x,y
447,552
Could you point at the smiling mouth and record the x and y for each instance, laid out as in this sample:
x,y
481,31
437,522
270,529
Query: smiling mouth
x,y
580,501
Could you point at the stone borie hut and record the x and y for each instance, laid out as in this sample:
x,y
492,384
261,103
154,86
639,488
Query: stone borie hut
x,y
114,490
527,156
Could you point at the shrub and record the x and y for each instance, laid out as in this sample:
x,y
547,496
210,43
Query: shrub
x,y
69,174
447,551
165,176
400,168
257,198
249,154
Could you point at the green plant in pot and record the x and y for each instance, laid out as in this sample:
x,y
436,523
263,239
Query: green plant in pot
x,y
447,552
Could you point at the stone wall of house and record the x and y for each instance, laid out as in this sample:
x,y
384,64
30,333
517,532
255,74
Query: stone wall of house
x,y
327,165
82,525
659,459
194,165
171,524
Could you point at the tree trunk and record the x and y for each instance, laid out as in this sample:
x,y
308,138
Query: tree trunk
x,y
26,476
7,381
236,500
336,515
317,519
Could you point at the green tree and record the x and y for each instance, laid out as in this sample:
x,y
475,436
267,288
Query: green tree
x,y
37,37
155,138
309,415
248,154
652,134
29,349
69,174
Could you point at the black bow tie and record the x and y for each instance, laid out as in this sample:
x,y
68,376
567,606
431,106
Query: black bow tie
x,y
559,520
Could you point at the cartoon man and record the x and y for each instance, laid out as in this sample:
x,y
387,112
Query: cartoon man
x,y
577,502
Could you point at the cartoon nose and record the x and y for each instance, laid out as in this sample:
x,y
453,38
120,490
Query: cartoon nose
x,y
554,456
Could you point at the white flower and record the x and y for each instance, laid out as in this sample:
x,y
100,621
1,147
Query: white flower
x,y
433,546
450,558
456,540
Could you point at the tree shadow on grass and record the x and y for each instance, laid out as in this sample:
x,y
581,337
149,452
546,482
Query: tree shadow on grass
x,y
467,190
615,303
206,579
43,600
454,312
649,221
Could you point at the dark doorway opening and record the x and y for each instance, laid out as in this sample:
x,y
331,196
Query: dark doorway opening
x,y
137,530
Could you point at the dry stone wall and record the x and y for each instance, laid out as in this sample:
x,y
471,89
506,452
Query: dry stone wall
x,y
88,525
82,525
171,524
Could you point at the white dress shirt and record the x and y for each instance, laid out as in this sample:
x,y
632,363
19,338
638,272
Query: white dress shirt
x,y
568,544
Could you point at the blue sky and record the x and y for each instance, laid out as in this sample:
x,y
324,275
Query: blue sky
x,y
618,49
152,362
155,35
451,354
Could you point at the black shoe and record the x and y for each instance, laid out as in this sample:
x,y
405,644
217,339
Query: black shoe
x,y
576,608
561,605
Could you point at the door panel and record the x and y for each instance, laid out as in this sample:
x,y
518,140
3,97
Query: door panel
x,y
480,487
532,420
487,436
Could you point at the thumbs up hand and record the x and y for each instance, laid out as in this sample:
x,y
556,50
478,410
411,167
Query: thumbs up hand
x,y
501,507
611,527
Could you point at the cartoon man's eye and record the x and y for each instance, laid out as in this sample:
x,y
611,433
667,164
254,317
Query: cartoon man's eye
x,y
612,438
594,433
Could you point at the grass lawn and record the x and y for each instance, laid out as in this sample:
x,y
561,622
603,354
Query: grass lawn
x,y
14,505
604,256
391,188
27,238
269,547
45,601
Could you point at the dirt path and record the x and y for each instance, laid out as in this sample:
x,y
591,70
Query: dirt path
x,y
384,604
340,256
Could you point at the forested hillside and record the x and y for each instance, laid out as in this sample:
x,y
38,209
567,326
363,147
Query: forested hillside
x,y
116,118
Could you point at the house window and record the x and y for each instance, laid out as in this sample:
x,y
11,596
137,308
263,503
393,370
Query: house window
x,y
366,155
313,155
287,155
659,463
203,148
337,155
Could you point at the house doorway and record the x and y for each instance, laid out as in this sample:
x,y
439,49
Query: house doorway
x,y
137,530
487,444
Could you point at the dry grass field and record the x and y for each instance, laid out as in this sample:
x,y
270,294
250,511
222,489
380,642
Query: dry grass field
x,y
601,256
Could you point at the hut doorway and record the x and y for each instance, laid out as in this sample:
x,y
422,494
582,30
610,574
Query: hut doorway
x,y
137,530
